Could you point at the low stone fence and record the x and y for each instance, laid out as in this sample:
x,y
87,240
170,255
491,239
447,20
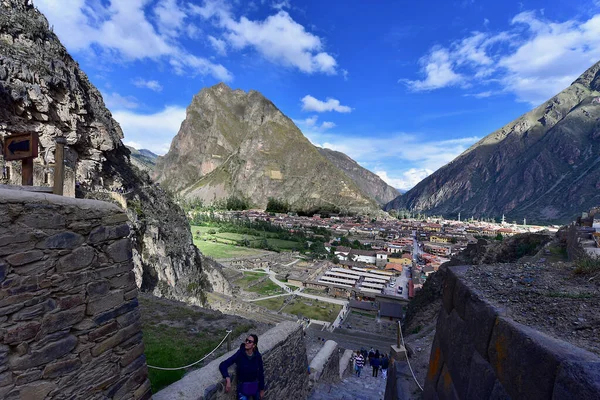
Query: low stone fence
x,y
478,353
325,366
69,318
284,357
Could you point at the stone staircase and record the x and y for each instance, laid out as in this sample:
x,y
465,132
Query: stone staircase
x,y
352,388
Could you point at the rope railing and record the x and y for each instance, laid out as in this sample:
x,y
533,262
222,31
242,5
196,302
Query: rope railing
x,y
407,360
194,363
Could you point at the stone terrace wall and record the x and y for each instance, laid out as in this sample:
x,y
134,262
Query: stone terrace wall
x,y
325,367
478,353
284,357
69,318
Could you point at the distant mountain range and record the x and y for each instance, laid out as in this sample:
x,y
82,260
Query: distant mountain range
x,y
234,143
144,159
544,166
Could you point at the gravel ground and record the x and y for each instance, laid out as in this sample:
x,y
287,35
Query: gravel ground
x,y
546,297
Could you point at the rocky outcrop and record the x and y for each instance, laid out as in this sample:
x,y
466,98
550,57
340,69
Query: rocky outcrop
x,y
234,143
544,166
367,181
43,90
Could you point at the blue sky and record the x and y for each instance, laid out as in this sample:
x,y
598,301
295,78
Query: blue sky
x,y
402,87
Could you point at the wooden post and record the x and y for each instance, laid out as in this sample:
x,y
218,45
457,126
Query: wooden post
x,y
59,166
27,172
398,335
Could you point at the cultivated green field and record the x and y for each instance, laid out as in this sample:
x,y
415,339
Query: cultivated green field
x,y
230,238
220,250
313,309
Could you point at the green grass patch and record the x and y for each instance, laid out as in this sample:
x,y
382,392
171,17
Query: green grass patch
x,y
272,304
568,295
249,278
171,347
220,250
364,314
586,265
283,244
266,288
316,310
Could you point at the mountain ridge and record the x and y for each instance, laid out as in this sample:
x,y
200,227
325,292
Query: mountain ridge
x,y
533,167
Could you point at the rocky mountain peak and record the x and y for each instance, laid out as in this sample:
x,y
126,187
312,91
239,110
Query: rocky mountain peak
x,y
543,166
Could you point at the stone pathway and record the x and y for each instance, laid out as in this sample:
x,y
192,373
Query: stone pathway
x,y
352,388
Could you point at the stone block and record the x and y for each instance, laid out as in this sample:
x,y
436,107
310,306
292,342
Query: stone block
x,y
125,281
25,257
136,378
97,289
4,270
6,379
132,294
480,317
448,292
481,378
132,355
43,219
115,219
461,296
7,310
398,353
456,342
68,302
129,318
116,339
28,377
21,332
62,319
35,311
122,309
14,238
80,258
13,248
144,391
445,386
110,300
577,380
60,368
526,361
115,269
98,235
103,331
48,353
120,250
36,391
62,240
436,363
499,393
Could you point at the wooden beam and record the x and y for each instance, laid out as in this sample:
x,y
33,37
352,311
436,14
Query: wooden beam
x,y
27,172
59,166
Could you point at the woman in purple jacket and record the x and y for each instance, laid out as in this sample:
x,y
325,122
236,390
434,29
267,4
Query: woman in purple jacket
x,y
249,371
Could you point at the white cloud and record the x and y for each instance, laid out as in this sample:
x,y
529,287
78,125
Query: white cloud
x,y
219,45
151,131
407,180
278,38
120,31
345,74
438,71
280,5
310,103
535,59
116,101
311,122
152,85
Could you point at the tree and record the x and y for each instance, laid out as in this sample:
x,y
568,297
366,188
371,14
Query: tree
x,y
499,236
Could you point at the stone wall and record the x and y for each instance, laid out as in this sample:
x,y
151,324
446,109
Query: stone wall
x,y
69,317
478,353
284,357
325,366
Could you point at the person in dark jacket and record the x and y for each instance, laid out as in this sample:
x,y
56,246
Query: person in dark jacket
x,y
375,363
249,371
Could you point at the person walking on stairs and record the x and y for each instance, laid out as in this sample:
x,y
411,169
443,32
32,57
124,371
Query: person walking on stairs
x,y
385,363
359,363
375,364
